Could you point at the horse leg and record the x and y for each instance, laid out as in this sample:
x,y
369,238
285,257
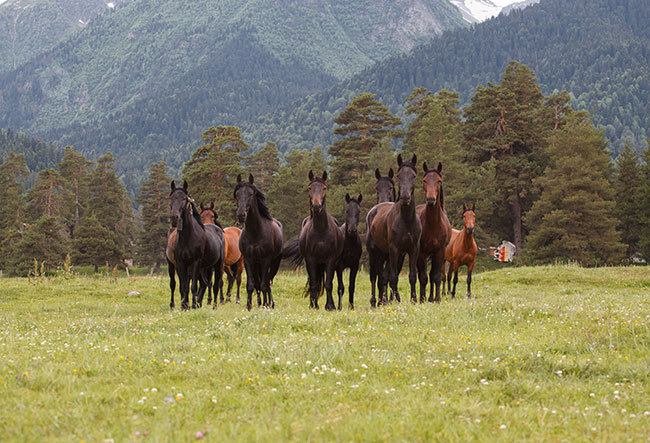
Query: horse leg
x,y
312,269
340,289
436,275
470,268
373,279
329,284
250,284
195,278
172,281
231,281
450,274
204,283
394,260
184,286
422,276
353,282
275,266
240,268
259,276
443,276
413,271
218,283
454,270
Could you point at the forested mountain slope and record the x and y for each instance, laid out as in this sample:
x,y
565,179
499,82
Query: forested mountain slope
x,y
151,75
598,50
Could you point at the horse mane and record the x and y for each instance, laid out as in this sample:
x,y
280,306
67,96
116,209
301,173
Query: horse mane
x,y
260,198
196,214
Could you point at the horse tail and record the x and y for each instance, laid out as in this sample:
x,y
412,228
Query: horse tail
x,y
320,282
291,251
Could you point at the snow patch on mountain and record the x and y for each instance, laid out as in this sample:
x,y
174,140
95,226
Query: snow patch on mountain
x,y
480,10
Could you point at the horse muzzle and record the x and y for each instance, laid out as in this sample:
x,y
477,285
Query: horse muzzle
x,y
317,208
431,201
470,231
241,216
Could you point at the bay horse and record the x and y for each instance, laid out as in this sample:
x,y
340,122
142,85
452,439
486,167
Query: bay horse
x,y
260,241
197,248
393,230
351,253
233,262
436,232
385,186
462,250
320,242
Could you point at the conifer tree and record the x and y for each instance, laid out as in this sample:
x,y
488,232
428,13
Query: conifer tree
x,y
628,185
47,196
154,201
644,203
212,171
12,204
505,123
94,244
75,170
264,164
45,240
574,216
364,123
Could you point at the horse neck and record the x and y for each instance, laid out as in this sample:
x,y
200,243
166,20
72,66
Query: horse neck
x,y
407,212
434,213
190,227
468,238
253,221
320,220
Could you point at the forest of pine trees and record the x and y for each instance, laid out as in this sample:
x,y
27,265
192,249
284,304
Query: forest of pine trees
x,y
539,172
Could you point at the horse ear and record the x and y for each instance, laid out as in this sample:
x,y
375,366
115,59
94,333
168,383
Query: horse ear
x,y
359,199
347,198
185,184
464,208
311,175
390,173
251,179
324,175
238,178
439,167
377,174
399,160
424,166
414,160
173,185
211,205
473,207
201,206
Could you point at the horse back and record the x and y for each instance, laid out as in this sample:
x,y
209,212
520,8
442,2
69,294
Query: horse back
x,y
214,244
231,239
172,236
321,245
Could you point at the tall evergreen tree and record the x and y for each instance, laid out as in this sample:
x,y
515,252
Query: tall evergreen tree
x,y
644,203
94,244
153,199
110,204
264,164
45,240
212,171
574,216
628,186
47,196
12,204
364,123
75,170
505,123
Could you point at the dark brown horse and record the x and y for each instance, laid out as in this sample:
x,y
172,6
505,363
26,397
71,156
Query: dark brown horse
x,y
198,249
233,260
351,247
436,232
321,243
260,242
385,187
393,230
461,251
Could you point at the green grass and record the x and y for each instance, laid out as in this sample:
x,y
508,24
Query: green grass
x,y
547,353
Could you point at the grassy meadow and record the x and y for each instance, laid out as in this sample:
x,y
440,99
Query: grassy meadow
x,y
545,353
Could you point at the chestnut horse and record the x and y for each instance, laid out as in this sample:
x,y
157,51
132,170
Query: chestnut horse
x,y
385,187
393,230
260,242
436,232
233,262
461,251
351,247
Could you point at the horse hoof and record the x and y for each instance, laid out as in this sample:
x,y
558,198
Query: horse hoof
x,y
249,306
351,307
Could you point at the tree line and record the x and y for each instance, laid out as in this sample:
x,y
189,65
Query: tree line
x,y
539,172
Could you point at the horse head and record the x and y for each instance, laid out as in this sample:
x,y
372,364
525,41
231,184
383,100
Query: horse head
x,y
406,174
385,187
317,187
432,182
469,219
245,196
208,214
352,213
179,202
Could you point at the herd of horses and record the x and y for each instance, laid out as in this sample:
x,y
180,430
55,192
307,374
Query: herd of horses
x,y
198,247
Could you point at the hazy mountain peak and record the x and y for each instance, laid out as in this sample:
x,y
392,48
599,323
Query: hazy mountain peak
x,y
480,10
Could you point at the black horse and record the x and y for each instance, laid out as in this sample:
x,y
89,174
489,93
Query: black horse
x,y
260,242
351,247
385,187
198,249
394,230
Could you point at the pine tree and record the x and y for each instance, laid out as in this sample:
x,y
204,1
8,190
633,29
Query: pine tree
x,y
94,244
212,171
153,199
644,203
12,203
46,241
75,170
47,196
574,216
505,123
364,123
628,184
110,204
264,164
